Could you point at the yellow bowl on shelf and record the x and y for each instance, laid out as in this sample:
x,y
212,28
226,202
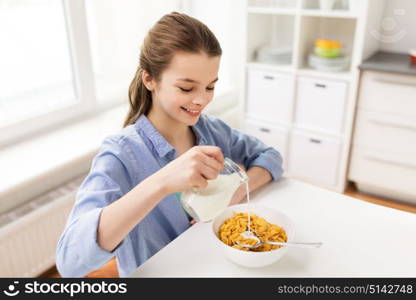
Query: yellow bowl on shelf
x,y
327,48
328,44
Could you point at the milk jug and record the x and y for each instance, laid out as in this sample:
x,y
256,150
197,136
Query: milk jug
x,y
203,205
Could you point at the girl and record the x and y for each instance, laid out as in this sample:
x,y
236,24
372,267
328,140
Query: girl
x,y
126,206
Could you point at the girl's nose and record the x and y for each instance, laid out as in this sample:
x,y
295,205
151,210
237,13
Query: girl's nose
x,y
201,100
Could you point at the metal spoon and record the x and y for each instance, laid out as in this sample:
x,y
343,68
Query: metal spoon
x,y
251,235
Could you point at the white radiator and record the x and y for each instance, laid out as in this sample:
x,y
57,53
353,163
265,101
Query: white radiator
x,y
29,233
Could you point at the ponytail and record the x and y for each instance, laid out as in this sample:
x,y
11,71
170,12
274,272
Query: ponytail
x,y
140,99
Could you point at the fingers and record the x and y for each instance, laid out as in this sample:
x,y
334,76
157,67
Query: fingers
x,y
212,163
208,161
242,167
208,173
199,181
212,151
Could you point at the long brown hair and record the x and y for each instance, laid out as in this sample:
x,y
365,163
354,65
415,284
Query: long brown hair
x,y
173,32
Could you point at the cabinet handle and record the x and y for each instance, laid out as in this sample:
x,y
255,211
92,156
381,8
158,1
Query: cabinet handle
x,y
393,124
388,81
320,85
264,129
389,161
315,141
268,77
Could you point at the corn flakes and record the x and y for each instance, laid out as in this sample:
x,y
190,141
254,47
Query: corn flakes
x,y
230,232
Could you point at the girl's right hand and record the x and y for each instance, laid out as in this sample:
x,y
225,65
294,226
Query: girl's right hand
x,y
192,169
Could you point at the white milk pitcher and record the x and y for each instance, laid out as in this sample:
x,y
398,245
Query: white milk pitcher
x,y
203,205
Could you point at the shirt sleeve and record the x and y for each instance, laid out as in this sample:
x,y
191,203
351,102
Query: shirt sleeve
x,y
250,151
78,252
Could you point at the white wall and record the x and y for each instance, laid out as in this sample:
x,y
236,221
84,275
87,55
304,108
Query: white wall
x,y
224,18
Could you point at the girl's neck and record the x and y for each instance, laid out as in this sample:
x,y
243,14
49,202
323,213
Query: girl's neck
x,y
173,131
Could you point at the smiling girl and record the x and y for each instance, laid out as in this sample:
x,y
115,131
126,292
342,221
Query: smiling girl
x,y
126,206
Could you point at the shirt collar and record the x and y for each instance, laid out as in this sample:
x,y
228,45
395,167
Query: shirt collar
x,y
200,138
160,144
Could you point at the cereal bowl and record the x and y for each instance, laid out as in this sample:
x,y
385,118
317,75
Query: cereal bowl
x,y
249,258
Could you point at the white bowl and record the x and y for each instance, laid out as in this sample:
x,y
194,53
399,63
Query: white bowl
x,y
249,258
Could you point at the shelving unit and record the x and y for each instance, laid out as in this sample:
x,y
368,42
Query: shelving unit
x,y
307,114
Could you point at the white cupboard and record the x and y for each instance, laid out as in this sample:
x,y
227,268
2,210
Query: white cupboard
x,y
276,136
314,157
270,95
383,158
306,113
320,104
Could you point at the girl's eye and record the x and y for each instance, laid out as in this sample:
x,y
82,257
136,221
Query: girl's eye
x,y
210,89
185,90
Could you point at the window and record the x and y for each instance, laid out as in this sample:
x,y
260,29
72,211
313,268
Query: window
x,y
35,67
65,59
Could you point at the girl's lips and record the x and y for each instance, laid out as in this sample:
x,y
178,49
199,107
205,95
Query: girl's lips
x,y
192,113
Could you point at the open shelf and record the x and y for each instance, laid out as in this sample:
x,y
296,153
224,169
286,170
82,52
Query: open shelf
x,y
275,31
339,9
316,5
312,28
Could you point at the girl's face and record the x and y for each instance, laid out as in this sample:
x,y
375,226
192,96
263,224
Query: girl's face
x,y
185,87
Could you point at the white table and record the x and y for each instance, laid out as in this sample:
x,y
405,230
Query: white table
x,y
360,239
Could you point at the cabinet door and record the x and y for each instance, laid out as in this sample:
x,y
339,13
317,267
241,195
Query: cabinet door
x,y
270,96
390,93
389,170
320,104
314,158
272,135
385,132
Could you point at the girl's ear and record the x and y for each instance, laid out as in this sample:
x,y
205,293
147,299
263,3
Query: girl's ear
x,y
148,81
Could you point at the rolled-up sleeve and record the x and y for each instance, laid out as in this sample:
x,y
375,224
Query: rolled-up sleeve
x,y
249,150
78,251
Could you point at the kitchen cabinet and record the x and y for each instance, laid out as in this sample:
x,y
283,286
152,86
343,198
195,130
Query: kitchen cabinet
x,y
320,104
272,135
314,157
383,158
387,92
270,95
316,107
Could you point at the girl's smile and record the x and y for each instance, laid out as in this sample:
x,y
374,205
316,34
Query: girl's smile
x,y
193,113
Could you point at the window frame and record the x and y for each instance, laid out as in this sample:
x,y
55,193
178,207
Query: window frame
x,y
83,80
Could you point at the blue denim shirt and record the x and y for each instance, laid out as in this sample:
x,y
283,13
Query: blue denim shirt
x,y
124,160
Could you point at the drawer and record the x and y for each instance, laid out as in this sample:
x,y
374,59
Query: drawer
x,y
385,92
320,104
272,135
314,158
270,96
387,170
385,132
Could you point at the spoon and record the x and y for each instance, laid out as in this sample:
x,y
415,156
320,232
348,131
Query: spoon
x,y
251,235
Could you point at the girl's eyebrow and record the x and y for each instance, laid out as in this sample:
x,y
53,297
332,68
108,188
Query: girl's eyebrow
x,y
194,81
